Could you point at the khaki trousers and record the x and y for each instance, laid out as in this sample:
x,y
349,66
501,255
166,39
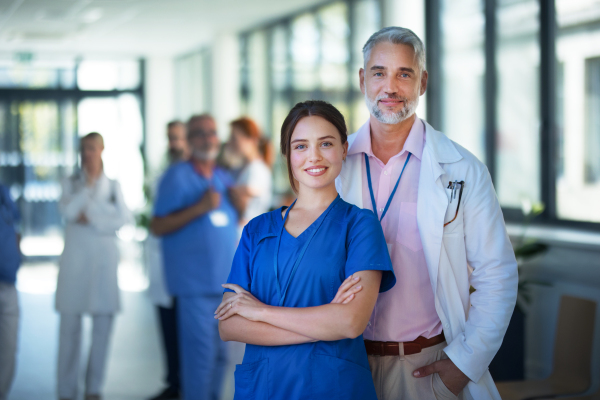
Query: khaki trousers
x,y
393,377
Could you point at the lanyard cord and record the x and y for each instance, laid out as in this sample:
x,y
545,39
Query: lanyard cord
x,y
387,205
295,268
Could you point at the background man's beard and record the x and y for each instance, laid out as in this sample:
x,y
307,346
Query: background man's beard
x,y
175,155
202,155
408,109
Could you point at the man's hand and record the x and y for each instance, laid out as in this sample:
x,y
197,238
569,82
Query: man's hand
x,y
210,200
347,290
453,378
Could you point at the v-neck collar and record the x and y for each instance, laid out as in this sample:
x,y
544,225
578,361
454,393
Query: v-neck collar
x,y
311,227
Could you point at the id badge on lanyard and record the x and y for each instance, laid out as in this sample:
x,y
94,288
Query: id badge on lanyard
x,y
217,217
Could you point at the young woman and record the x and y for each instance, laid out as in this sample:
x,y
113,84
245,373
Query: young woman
x,y
253,190
94,209
304,340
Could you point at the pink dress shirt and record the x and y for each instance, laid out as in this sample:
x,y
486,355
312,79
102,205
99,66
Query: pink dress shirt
x,y
408,309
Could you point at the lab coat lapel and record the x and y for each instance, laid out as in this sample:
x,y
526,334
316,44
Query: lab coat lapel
x,y
431,209
432,201
349,182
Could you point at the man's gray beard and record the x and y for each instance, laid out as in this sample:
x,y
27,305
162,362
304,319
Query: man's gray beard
x,y
392,119
205,155
175,155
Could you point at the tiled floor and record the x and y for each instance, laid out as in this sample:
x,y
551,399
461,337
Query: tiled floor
x,y
135,367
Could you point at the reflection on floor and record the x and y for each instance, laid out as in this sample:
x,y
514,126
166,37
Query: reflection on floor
x,y
135,366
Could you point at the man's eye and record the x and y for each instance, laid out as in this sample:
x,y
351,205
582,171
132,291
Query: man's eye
x,y
405,76
378,73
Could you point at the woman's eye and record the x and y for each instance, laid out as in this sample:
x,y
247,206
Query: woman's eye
x,y
300,147
326,144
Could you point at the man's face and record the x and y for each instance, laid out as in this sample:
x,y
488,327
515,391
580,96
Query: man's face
x,y
203,140
178,144
392,82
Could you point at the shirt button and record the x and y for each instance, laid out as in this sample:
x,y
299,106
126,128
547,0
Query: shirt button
x,y
381,209
385,172
446,326
369,324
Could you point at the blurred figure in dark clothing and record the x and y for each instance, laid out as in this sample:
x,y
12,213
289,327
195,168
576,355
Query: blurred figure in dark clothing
x,y
9,303
198,227
178,151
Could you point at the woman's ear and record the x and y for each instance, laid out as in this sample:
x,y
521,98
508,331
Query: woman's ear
x,y
345,150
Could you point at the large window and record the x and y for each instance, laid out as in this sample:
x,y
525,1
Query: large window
x,y
521,90
314,55
578,110
45,106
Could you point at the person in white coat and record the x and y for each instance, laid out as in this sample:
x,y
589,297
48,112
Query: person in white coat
x,y
428,337
252,194
93,208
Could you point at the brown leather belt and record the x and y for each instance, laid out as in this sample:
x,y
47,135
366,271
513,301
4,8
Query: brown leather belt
x,y
375,348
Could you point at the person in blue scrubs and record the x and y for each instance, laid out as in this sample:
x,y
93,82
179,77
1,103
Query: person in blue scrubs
x,y
198,228
303,334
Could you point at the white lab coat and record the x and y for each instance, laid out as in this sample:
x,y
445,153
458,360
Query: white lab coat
x,y
87,277
473,250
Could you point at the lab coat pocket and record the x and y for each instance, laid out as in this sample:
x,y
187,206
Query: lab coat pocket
x,y
408,231
333,378
251,381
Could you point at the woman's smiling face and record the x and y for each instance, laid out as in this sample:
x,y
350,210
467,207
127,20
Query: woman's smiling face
x,y
317,153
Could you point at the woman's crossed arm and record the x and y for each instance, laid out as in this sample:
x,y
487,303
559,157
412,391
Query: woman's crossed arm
x,y
244,318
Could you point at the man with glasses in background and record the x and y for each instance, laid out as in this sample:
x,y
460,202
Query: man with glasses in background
x,y
428,338
198,227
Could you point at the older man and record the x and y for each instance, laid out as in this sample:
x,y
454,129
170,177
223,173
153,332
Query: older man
x,y
427,338
197,223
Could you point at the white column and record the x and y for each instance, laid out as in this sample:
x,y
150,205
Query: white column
x,y
225,82
407,14
159,98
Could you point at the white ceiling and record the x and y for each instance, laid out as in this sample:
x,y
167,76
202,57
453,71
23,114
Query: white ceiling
x,y
131,27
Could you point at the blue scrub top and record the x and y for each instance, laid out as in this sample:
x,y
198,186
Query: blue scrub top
x,y
9,249
197,256
349,240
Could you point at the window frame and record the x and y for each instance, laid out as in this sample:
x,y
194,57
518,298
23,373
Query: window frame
x,y
548,103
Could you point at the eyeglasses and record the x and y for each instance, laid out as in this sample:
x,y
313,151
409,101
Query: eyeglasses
x,y
454,187
201,133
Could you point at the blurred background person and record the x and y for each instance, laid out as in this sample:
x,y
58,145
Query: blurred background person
x,y
198,226
253,191
10,260
178,151
93,208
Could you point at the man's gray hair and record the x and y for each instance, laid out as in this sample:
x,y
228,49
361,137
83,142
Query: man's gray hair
x,y
396,35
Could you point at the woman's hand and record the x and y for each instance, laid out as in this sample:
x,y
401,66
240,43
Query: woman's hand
x,y
347,290
243,304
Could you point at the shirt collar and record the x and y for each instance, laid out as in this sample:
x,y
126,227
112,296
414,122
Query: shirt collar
x,y
414,142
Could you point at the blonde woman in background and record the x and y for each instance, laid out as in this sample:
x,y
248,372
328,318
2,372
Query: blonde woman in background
x,y
93,208
253,191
